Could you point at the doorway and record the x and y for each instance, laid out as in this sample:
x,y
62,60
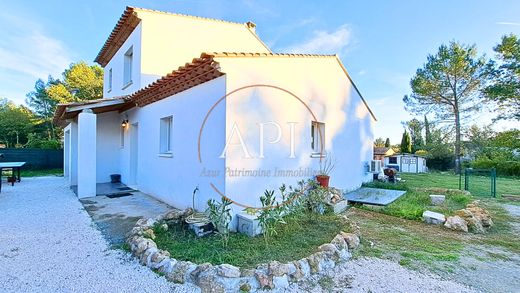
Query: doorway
x,y
134,149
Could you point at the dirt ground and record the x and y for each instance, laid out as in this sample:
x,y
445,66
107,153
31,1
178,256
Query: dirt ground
x,y
488,263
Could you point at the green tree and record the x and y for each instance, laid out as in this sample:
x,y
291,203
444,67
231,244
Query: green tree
x,y
84,80
450,85
387,143
479,139
379,142
15,123
505,91
42,104
415,127
427,132
406,143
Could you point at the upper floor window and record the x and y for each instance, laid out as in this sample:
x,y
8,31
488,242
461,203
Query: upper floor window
x,y
110,79
318,138
127,72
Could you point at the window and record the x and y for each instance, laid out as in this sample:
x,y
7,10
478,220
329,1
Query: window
x,y
127,73
392,160
165,143
317,137
110,79
413,161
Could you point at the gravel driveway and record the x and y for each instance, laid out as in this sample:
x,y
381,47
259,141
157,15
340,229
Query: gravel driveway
x,y
48,243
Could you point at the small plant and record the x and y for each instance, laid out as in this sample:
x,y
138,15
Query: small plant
x,y
219,214
327,165
270,215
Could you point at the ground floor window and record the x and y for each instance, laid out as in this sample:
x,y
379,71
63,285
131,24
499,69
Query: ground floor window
x,y
166,127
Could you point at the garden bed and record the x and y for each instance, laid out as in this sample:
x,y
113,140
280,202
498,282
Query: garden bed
x,y
298,238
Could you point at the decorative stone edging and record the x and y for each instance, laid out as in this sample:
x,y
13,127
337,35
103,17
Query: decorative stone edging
x,y
229,278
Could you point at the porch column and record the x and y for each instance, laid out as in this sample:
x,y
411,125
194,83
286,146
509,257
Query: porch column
x,y
86,154
73,153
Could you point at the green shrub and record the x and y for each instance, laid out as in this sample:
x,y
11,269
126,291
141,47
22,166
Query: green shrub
x,y
508,168
219,214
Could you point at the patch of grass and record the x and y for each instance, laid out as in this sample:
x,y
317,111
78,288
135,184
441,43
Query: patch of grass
x,y
326,283
505,185
40,172
408,242
412,205
297,239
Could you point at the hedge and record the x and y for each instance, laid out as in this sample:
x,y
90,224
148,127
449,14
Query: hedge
x,y
508,168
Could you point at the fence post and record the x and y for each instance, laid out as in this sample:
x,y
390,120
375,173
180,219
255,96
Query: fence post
x,y
466,179
494,182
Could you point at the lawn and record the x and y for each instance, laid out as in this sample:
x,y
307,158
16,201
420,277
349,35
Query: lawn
x,y
297,239
36,172
388,232
505,185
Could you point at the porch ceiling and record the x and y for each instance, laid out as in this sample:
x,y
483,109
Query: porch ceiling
x,y
71,110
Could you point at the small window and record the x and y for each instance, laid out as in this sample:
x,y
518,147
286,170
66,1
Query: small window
x,y
166,128
317,137
127,73
110,79
413,161
392,160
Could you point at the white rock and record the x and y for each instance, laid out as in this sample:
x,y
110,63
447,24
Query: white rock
x,y
227,270
430,217
437,199
456,223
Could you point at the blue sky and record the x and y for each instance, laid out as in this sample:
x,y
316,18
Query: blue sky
x,y
381,43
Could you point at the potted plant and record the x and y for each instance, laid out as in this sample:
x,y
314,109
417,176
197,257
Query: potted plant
x,y
327,164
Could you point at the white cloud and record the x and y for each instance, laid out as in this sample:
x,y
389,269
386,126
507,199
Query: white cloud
x,y
26,49
324,42
508,23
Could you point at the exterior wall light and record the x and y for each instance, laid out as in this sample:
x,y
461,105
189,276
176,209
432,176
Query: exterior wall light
x,y
124,124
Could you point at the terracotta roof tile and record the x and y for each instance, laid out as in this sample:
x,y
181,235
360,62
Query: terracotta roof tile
x,y
129,20
199,71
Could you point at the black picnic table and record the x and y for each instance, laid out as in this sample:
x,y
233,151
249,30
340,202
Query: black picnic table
x,y
14,166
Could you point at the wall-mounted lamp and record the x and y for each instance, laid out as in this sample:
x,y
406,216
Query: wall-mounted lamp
x,y
124,124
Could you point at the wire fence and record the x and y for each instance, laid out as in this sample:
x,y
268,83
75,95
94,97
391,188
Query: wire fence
x,y
480,182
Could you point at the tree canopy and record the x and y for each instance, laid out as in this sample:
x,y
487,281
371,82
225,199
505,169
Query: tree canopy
x,y
16,122
505,91
450,85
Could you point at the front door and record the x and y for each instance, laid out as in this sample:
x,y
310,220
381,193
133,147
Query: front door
x,y
134,147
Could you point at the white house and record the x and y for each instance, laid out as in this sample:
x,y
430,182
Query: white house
x,y
407,163
176,116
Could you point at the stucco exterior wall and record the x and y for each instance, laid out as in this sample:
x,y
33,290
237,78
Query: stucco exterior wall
x,y
173,179
107,146
323,86
171,41
117,66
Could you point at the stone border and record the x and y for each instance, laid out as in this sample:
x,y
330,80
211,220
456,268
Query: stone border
x,y
226,277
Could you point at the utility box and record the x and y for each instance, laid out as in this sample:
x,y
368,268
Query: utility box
x,y
248,224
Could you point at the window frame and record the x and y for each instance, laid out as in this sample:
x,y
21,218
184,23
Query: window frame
x,y
317,140
110,80
165,136
127,67
390,160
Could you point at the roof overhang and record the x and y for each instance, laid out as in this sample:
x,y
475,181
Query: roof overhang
x,y
71,110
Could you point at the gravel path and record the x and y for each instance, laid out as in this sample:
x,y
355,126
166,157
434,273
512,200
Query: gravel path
x,y
375,275
49,244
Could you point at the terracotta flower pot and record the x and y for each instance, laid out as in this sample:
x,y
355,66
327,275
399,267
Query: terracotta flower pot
x,y
323,180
